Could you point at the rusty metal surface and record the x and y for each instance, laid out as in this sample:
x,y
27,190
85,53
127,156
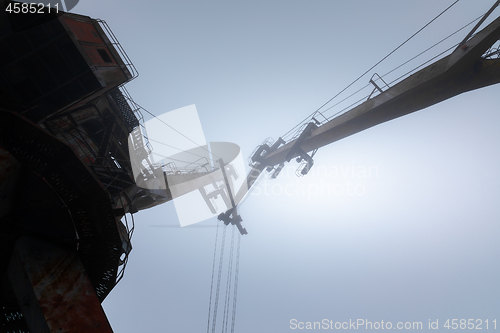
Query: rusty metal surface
x,y
54,290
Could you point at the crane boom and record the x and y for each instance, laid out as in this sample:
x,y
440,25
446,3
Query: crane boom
x,y
461,71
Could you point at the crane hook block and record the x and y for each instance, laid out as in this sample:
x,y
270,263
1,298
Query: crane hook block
x,y
232,216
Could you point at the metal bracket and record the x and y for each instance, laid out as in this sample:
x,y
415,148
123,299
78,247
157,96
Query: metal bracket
x,y
295,149
302,156
264,149
376,85
305,164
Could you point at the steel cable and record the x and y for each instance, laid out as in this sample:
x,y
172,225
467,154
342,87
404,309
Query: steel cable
x,y
356,80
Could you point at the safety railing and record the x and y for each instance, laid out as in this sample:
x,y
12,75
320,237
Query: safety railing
x,y
116,44
136,110
193,167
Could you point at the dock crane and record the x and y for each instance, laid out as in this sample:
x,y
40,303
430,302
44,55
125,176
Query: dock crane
x,y
470,66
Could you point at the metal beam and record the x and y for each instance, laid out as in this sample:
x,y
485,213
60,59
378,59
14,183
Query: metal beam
x,y
457,73
485,16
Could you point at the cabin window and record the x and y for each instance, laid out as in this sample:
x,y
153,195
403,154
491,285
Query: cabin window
x,y
104,55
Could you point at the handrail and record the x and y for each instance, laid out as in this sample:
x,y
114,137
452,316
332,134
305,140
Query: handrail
x,y
114,41
136,109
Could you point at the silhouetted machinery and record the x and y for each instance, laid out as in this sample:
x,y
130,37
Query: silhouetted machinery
x,y
65,177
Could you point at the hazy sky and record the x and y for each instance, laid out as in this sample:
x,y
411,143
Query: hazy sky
x,y
416,238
